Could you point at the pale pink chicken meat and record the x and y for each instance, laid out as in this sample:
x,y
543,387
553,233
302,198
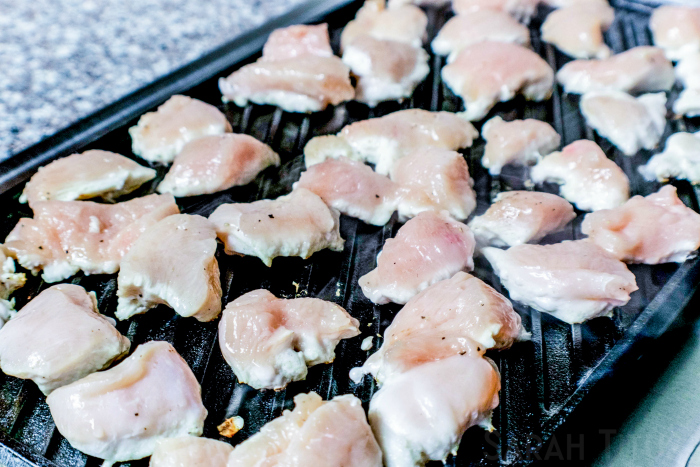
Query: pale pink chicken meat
x,y
518,142
190,451
10,280
429,248
404,23
518,217
352,188
216,163
91,174
522,10
331,433
269,341
489,72
676,29
577,30
652,229
680,159
574,280
65,237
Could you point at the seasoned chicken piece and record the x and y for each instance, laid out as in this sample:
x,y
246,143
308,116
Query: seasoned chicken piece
x,y
479,26
297,72
434,179
680,160
297,224
574,280
577,30
429,248
639,69
172,264
189,451
159,136
59,337
519,142
489,72
119,414
269,341
65,237
629,123
522,10
518,217
352,188
319,433
654,229
422,414
382,141
10,280
216,163
403,23
676,29
587,177
92,174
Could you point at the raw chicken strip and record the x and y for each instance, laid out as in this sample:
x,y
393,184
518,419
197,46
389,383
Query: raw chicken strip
x,y
518,217
92,174
587,177
676,29
172,264
577,30
59,337
574,280
217,163
489,72
429,248
269,342
422,414
404,23
680,160
352,188
519,142
382,141
189,451
65,237
522,10
119,414
639,69
10,280
434,179
159,136
629,123
654,229
297,72
331,433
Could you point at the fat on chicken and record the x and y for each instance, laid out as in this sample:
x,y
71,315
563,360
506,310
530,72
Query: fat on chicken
x,y
402,23
10,280
190,451
676,29
522,10
577,30
297,224
119,414
679,160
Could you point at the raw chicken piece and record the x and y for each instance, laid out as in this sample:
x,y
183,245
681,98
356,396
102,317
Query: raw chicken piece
x,y
65,237
189,451
574,280
568,3
297,72
489,72
172,264
654,229
119,414
629,123
577,30
269,341
435,3
159,136
518,217
217,163
429,248
404,23
680,160
59,337
519,142
587,177
319,433
422,414
522,10
676,29
434,179
92,174
639,69
688,71
298,224
687,103
382,141
352,188
9,282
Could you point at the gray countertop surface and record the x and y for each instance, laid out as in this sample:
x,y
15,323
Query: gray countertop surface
x,y
63,60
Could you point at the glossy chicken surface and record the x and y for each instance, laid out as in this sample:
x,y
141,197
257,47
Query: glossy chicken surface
x,y
679,160
522,10
676,29
190,451
577,30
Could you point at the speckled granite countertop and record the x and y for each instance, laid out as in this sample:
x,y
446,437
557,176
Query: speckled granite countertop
x,y
62,60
